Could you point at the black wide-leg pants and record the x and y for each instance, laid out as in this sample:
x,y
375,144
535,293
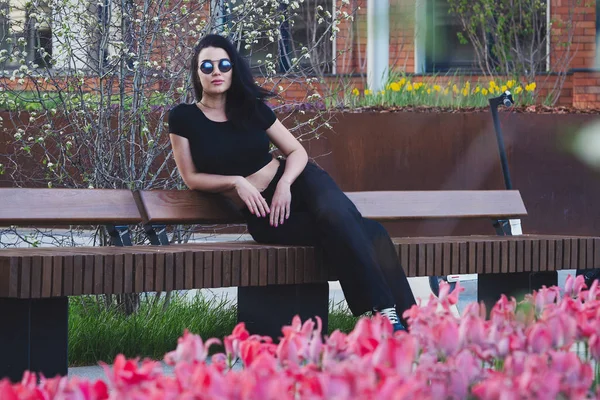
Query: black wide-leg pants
x,y
359,249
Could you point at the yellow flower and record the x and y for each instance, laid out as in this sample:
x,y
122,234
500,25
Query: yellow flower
x,y
477,89
368,92
382,92
454,88
510,83
518,90
504,88
402,81
437,88
484,91
531,87
409,87
418,85
428,91
395,87
492,84
355,92
465,92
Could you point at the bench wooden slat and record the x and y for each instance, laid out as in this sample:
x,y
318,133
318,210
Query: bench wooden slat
x,y
193,207
149,272
57,276
118,276
36,277
199,269
184,207
236,266
27,207
391,206
159,280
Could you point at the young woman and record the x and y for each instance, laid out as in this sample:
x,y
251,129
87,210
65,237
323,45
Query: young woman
x,y
221,145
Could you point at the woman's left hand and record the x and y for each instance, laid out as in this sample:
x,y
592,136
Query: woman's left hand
x,y
280,205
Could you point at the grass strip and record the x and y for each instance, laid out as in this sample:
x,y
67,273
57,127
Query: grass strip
x,y
98,333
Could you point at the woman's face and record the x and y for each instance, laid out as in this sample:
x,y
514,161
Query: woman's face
x,y
215,70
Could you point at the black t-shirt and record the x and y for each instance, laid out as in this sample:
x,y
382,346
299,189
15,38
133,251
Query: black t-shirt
x,y
221,148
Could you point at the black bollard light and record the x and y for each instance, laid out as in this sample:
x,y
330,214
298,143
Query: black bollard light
x,y
491,286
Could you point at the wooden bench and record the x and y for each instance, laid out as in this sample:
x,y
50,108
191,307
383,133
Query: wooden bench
x,y
274,282
35,281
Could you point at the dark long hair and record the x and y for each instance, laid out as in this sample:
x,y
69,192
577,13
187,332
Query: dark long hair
x,y
243,95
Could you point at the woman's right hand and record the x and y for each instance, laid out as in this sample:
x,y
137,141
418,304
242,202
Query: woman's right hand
x,y
250,195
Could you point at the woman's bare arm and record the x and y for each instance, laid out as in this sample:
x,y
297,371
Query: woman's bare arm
x,y
195,180
296,156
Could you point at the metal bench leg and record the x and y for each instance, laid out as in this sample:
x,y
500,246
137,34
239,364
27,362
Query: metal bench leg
x,y
266,309
34,337
491,286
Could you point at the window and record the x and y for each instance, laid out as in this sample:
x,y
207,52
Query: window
x,y
310,29
443,49
515,43
24,30
301,31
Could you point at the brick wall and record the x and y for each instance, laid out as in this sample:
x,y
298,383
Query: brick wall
x,y
586,90
575,21
402,35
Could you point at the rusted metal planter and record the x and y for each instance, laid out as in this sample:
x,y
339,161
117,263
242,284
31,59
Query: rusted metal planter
x,y
429,151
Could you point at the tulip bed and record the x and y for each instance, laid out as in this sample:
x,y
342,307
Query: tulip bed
x,y
545,347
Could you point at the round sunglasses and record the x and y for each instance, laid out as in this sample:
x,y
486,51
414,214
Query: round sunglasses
x,y
207,67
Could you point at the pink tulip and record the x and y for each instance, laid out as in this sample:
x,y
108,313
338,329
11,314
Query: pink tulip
x,y
335,349
563,328
232,342
467,365
446,337
593,292
367,334
288,351
127,372
471,331
594,344
574,286
545,297
539,339
55,388
190,348
576,377
514,364
249,350
446,296
504,339
503,311
397,354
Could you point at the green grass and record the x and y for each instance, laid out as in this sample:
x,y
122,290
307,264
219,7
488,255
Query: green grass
x,y
97,334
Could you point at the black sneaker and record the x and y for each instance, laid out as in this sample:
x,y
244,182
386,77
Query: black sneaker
x,y
392,316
